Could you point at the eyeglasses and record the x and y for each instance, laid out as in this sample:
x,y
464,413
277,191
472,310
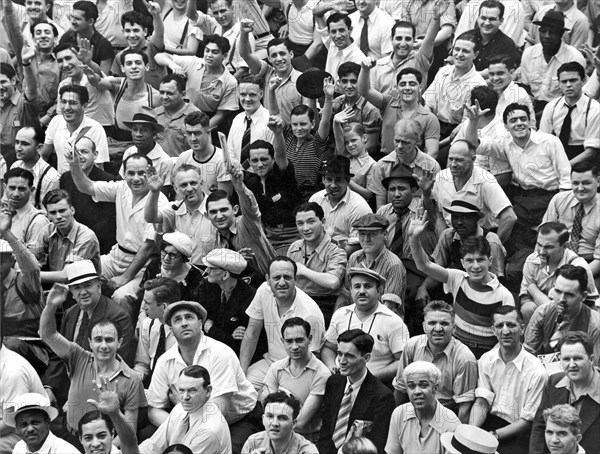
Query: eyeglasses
x,y
170,255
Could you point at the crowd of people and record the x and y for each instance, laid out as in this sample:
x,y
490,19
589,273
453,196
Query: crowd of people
x,y
299,226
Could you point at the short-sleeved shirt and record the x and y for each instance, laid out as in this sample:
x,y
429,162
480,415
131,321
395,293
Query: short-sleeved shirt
x,y
82,372
220,94
336,56
173,139
585,121
161,161
264,307
100,107
286,94
385,72
260,441
365,113
29,225
362,167
326,258
102,48
406,429
109,21
387,329
212,170
387,264
155,72
420,13
457,364
15,114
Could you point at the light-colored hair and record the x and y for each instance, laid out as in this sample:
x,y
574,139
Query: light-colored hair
x,y
423,367
564,415
359,445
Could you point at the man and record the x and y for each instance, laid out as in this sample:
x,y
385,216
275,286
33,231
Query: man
x,y
275,300
577,23
196,421
574,118
452,85
341,205
30,414
99,216
204,154
563,430
510,386
419,424
476,291
28,224
232,393
155,336
566,312
540,270
226,297
375,255
66,240
370,29
572,207
540,62
367,311
65,130
124,265
280,419
171,114
321,263
493,40
354,396
220,102
302,373
83,18
456,387
578,386
407,133
338,40
250,125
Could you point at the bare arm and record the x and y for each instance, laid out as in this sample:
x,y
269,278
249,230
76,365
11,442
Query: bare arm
x,y
464,411
81,180
29,74
191,11
245,48
249,342
309,410
157,415
364,83
159,26
424,264
48,332
479,412
13,27
325,280
506,221
537,295
328,355
328,89
152,214
276,125
217,118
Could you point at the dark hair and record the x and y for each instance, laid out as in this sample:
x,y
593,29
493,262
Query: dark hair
x,y
136,156
197,118
505,310
65,46
503,59
296,321
178,449
571,66
44,21
135,17
412,71
574,273
492,4
486,96
438,306
7,70
585,166
284,398
337,17
556,227
106,322
512,108
355,127
220,194
252,79
95,415
89,9
79,90
362,341
403,24
19,172
277,42
310,206
302,109
577,337
261,144
38,133
221,42
127,52
475,245
348,67
55,196
282,258
470,36
165,289
180,81
196,371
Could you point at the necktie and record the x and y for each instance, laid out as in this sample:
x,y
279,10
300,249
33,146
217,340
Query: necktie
x,y
341,426
223,299
364,37
576,230
85,321
565,131
181,431
397,244
161,347
245,155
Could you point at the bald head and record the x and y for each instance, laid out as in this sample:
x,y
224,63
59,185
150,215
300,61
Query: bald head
x,y
461,158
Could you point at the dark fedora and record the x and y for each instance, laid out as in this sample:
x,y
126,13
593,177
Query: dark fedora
x,y
553,19
145,116
310,83
337,166
402,172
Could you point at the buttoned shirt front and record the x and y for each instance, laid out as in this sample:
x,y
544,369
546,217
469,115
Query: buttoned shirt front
x,y
15,114
258,130
260,442
161,161
336,56
301,21
80,243
52,445
173,139
28,225
362,168
513,24
379,26
514,389
541,75
365,113
592,391
286,94
585,121
50,181
387,264
100,106
511,94
149,335
420,13
385,72
563,208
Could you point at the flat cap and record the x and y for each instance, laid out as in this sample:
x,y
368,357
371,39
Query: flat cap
x,y
371,222
191,305
225,259
366,272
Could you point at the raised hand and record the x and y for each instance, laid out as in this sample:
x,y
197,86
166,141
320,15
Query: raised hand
x,y
426,181
344,116
474,113
368,62
86,50
439,8
418,224
57,296
237,175
153,8
274,82
275,123
107,395
328,87
5,220
176,68
155,181
591,55
247,25
27,54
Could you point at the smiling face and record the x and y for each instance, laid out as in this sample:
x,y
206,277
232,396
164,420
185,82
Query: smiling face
x,y
421,391
302,125
282,280
223,13
372,241
36,9
584,185
464,54
489,22
355,144
409,88
68,63
192,392
86,294
340,34
403,42
186,326
261,162
364,291
310,227
517,124
279,422
500,76
79,23
349,360
221,213
136,176
87,153
33,426
135,35
296,342
576,363
61,214
170,258
26,147
349,84
43,36
570,84
187,184
439,328
96,438
134,67
72,108
213,56
250,97
336,187
507,330
561,439
280,58
477,266
18,192
104,342
170,96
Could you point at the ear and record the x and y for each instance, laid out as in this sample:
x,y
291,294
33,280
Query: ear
x,y
367,357
236,208
120,343
462,262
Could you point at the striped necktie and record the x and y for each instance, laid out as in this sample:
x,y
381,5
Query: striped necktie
x,y
341,426
576,230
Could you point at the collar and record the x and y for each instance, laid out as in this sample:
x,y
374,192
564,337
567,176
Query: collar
x,y
493,284
343,201
46,447
381,309
358,383
581,102
437,421
593,391
347,51
362,160
587,206
173,352
70,236
518,361
182,210
161,111
465,76
258,114
447,351
156,152
567,257
479,233
534,136
16,97
371,15
25,209
313,363
8,280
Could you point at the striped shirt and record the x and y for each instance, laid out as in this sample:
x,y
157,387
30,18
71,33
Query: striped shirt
x,y
474,308
307,158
